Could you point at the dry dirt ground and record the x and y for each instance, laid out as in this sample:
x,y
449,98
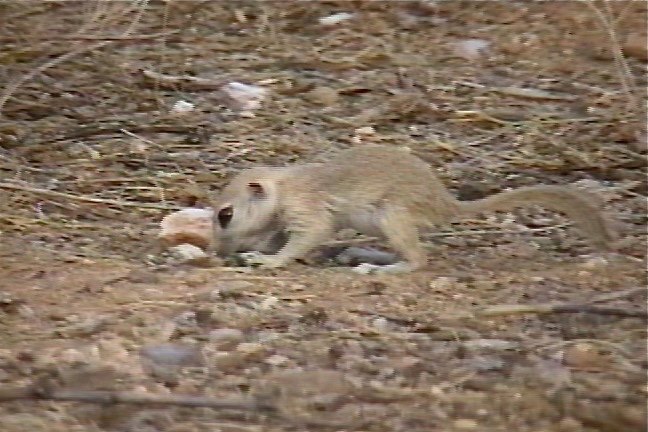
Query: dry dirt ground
x,y
494,95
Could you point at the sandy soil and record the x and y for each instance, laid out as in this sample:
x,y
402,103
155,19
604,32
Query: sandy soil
x,y
87,304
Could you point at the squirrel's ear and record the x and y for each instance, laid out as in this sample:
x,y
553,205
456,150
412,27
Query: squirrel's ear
x,y
256,189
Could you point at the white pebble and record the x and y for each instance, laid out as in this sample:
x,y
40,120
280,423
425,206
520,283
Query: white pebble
x,y
182,107
335,18
188,253
366,130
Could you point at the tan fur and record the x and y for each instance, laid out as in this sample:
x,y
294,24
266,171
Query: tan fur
x,y
376,190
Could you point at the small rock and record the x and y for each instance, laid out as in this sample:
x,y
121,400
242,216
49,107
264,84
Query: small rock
x,y
336,18
465,424
443,283
366,130
250,348
230,288
173,355
470,49
569,424
584,356
225,338
276,360
244,97
8,303
381,324
87,327
143,276
72,355
268,303
113,349
190,254
228,361
182,107
25,311
485,363
595,263
323,96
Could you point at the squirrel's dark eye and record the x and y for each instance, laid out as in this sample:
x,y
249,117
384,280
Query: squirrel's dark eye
x,y
225,216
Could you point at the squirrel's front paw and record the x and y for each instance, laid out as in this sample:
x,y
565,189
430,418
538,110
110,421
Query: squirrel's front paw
x,y
257,259
371,269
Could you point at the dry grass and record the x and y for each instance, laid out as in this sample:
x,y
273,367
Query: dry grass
x,y
91,157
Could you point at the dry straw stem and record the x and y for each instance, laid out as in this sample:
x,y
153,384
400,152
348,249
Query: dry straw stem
x,y
364,240
12,87
82,198
625,75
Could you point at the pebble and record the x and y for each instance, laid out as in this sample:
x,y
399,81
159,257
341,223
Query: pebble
x,y
225,338
230,288
336,18
188,253
182,107
268,303
276,360
173,354
584,356
366,130
250,348
569,424
471,49
381,324
465,424
442,283
594,263
323,96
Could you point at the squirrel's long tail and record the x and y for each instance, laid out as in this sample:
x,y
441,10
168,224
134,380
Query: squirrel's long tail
x,y
580,206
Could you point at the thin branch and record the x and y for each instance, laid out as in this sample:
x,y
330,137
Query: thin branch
x,y
625,75
586,307
109,397
559,308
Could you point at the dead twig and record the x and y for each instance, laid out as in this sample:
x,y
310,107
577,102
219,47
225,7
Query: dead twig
x,y
51,38
586,307
616,295
185,81
94,200
559,308
115,397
